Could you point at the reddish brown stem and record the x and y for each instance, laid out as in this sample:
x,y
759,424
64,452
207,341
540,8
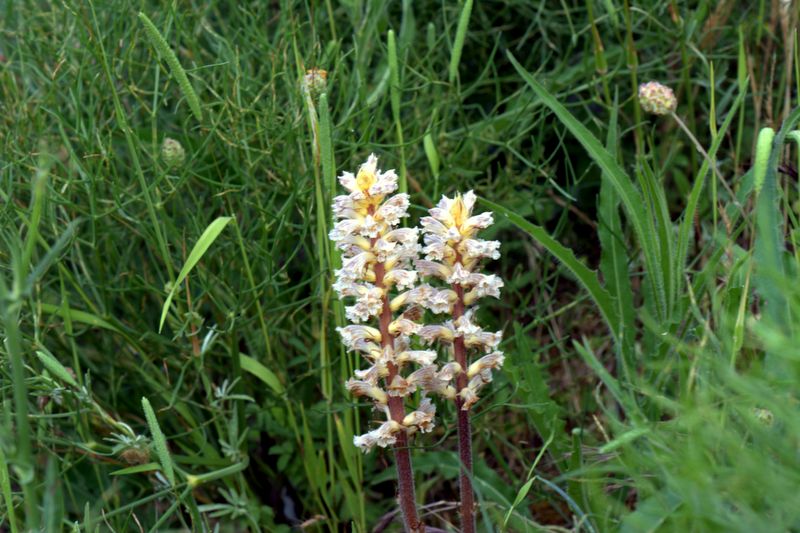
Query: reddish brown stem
x,y
467,505
402,455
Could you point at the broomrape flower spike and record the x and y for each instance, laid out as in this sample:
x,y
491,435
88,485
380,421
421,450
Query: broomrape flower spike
x,y
453,255
379,277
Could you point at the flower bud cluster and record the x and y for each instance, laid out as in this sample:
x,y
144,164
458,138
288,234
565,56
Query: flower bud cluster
x,y
315,82
656,98
378,275
453,255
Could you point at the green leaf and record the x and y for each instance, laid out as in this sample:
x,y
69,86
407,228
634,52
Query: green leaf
x,y
458,43
201,246
261,372
78,316
229,470
56,368
160,441
5,486
685,230
625,438
770,274
586,276
651,513
136,469
521,494
631,198
614,256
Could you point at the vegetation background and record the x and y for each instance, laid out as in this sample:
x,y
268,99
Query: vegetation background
x,y
652,377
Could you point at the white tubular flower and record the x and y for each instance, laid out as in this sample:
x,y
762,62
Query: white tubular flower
x,y
351,334
492,361
476,249
483,340
378,262
403,326
401,387
434,269
402,279
405,236
421,419
383,436
365,388
484,286
369,303
433,333
453,253
438,301
420,357
361,339
449,371
469,396
459,275
429,380
373,373
393,210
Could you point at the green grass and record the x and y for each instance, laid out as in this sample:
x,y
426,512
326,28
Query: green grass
x,y
170,359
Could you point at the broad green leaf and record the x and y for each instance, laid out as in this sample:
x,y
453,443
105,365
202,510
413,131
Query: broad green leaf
x,y
235,468
201,246
521,494
587,277
770,273
261,372
614,256
631,198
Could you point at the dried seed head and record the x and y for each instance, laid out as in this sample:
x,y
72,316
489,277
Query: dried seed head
x,y
656,98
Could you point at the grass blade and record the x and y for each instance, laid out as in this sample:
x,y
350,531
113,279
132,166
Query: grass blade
x,y
630,196
201,246
614,256
587,277
76,315
394,95
5,486
261,372
458,44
